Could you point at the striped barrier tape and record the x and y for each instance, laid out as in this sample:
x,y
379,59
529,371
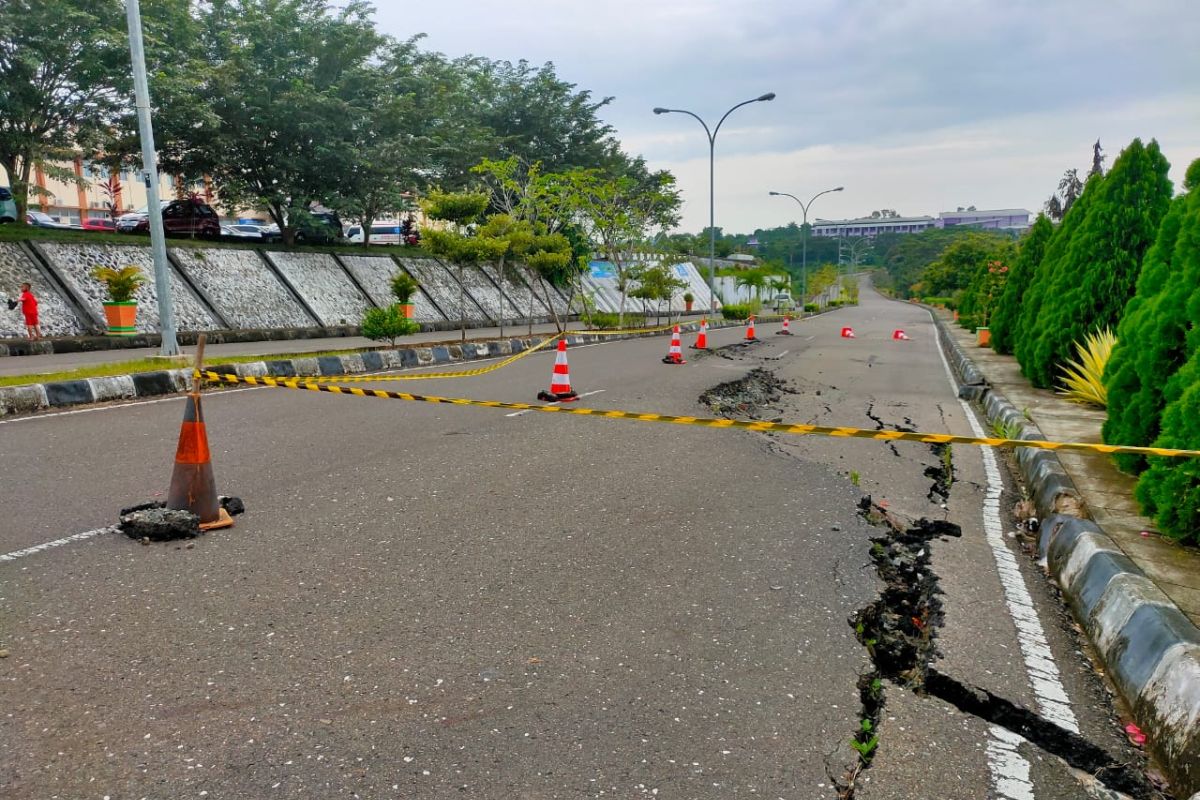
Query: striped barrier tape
x,y
707,422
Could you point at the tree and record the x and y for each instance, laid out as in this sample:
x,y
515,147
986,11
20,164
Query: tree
x,y
987,261
656,284
752,279
458,244
64,67
961,262
1152,336
1096,277
617,212
1004,323
1098,159
1029,317
512,238
1069,190
296,82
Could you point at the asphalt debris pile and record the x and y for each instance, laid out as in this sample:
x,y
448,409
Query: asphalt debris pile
x,y
154,522
745,396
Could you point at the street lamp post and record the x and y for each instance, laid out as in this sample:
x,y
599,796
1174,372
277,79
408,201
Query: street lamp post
x,y
712,213
804,231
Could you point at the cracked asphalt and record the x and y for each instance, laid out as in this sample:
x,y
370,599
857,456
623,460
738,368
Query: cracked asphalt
x,y
428,601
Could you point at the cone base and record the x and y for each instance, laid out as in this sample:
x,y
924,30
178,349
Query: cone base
x,y
702,349
557,397
673,360
223,520
784,333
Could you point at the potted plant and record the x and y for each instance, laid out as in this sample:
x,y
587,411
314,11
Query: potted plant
x,y
121,309
404,286
688,299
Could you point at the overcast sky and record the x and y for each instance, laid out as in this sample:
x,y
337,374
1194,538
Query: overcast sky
x,y
917,105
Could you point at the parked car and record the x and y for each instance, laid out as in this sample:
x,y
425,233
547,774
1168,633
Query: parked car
x,y
319,227
40,219
243,231
8,206
128,223
102,224
190,217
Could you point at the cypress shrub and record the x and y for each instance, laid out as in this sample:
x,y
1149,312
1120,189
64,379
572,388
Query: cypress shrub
x,y
1004,327
1097,274
1029,318
1169,489
1150,345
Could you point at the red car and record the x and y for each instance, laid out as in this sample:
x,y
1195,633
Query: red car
x,y
191,217
99,224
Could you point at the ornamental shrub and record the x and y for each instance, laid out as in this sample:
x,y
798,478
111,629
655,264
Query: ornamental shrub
x,y
1150,345
1007,314
1169,489
1097,275
388,323
1029,317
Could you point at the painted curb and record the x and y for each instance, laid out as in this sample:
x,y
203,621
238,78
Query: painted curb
x,y
1151,650
32,398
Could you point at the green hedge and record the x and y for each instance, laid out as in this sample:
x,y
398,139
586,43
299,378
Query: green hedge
x,y
948,302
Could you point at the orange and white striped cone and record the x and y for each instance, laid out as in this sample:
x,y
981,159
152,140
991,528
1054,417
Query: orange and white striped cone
x,y
899,335
675,354
847,333
701,337
193,487
786,331
560,379
750,337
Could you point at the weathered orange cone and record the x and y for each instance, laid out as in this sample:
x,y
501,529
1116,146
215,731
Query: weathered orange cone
x,y
899,335
193,487
560,379
701,337
847,333
675,354
786,331
750,337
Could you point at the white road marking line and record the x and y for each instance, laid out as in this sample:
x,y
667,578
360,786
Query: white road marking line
x,y
37,548
1008,768
526,411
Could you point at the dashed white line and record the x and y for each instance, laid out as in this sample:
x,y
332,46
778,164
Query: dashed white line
x,y
37,548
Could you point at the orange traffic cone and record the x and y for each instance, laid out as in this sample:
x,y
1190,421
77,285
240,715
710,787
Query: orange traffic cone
x,y
900,335
750,337
675,354
193,487
786,331
701,337
847,333
560,379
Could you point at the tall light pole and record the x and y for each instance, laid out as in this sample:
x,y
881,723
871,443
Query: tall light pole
x,y
712,202
158,241
804,232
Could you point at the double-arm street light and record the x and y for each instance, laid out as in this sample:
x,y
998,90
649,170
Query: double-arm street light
x,y
712,145
804,230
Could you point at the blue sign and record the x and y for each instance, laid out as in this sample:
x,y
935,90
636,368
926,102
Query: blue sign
x,y
602,270
682,271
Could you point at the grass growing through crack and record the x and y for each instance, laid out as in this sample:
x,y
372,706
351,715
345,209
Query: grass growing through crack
x,y
855,478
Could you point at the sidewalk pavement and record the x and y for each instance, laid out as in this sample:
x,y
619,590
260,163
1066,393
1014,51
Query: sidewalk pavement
x,y
213,353
1106,491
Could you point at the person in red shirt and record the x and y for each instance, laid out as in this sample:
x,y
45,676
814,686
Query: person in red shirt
x,y
29,307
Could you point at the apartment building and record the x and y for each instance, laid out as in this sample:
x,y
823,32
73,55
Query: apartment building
x,y
1010,219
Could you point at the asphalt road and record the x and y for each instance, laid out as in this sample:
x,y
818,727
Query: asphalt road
x,y
429,601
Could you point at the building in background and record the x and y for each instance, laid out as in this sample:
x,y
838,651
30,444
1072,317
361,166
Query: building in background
x,y
1004,219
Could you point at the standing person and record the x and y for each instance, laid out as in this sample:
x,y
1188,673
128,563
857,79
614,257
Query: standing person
x,y
29,307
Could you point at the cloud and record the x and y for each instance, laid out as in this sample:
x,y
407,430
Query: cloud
x,y
865,84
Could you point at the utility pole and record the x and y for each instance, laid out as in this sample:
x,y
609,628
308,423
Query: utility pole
x,y
158,241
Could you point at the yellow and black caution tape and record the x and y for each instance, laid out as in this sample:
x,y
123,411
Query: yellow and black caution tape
x,y
707,422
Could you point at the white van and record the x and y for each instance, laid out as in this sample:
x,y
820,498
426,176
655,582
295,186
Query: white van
x,y
381,233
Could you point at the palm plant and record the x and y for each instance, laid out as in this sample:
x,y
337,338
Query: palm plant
x,y
1083,380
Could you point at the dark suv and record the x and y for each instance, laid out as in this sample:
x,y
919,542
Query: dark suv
x,y
191,217
319,227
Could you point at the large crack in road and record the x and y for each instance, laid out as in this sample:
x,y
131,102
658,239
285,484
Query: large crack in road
x,y
899,629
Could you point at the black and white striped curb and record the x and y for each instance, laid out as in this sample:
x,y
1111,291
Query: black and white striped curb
x,y
1150,649
32,398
